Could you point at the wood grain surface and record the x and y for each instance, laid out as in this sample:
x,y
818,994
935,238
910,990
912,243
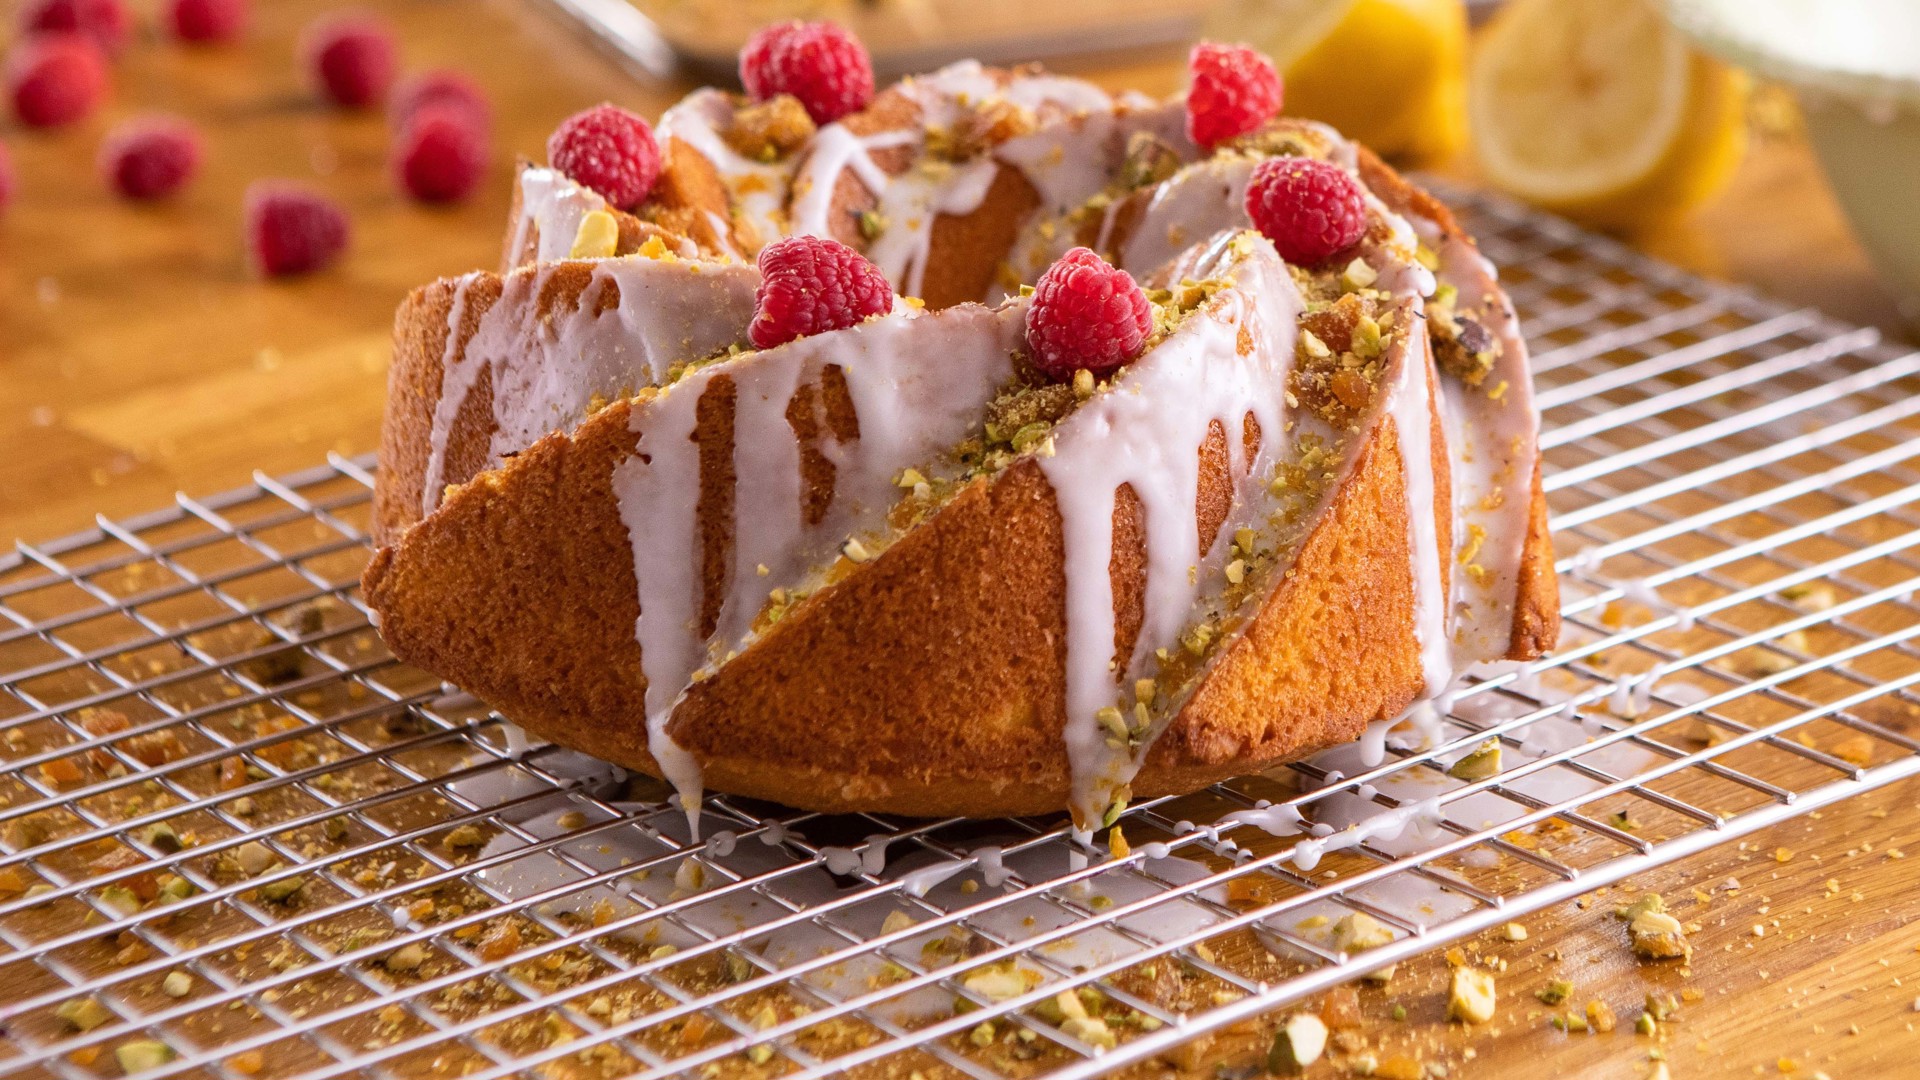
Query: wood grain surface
x,y
139,356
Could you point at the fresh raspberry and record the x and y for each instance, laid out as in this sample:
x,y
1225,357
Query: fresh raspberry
x,y
1086,313
1308,208
105,21
6,176
821,64
441,154
810,285
292,229
56,79
150,157
609,150
352,58
1234,91
207,20
441,86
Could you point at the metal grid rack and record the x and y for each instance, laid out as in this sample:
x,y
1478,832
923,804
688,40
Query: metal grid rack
x,y
213,770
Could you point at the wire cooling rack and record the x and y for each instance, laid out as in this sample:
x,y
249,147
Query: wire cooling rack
x,y
241,839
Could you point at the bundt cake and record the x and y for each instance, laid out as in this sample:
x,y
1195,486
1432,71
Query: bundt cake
x,y
783,480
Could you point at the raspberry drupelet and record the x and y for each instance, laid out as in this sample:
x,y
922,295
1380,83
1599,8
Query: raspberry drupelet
x,y
820,64
609,150
1086,313
1234,90
1309,209
810,285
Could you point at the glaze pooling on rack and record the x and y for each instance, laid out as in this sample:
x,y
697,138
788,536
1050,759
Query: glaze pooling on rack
x,y
907,410
631,323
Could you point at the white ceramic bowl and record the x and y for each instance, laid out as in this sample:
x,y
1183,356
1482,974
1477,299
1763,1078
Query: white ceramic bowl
x,y
1855,66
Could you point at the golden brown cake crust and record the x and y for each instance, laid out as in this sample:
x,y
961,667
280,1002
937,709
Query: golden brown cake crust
x,y
930,681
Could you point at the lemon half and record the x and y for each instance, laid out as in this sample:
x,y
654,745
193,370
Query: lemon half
x,y
1598,109
1390,73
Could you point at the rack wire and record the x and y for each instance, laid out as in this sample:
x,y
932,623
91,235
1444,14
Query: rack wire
x,y
235,826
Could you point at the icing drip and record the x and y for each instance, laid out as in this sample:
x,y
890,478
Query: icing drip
x,y
756,189
1411,405
1146,432
553,205
909,410
1491,441
545,372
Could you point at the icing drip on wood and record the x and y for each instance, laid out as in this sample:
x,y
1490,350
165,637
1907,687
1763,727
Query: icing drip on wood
x,y
631,323
918,384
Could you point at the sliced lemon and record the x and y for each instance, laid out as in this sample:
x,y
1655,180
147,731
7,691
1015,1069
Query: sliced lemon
x,y
1390,73
1598,109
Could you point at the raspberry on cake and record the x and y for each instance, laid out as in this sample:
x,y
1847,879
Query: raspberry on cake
x,y
810,285
1309,209
820,64
352,59
207,20
1086,315
56,78
292,229
441,153
150,157
1235,90
608,150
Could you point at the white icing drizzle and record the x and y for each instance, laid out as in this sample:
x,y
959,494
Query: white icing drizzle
x,y
1146,431
757,190
545,372
551,205
1410,403
1491,451
918,384
1421,816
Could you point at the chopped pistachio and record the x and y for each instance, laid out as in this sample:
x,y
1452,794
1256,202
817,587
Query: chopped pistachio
x,y
1113,720
465,836
284,887
1647,902
1359,274
163,839
174,889
1662,1007
83,1013
1091,1030
120,899
1314,346
760,1053
141,1055
1298,1044
596,238
1470,996
1554,992
896,921
690,875
855,551
1658,936
981,1035
1645,1024
872,224
253,858
1482,763
334,828
1399,1011
177,984
1358,932
1515,932
407,957
1082,383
